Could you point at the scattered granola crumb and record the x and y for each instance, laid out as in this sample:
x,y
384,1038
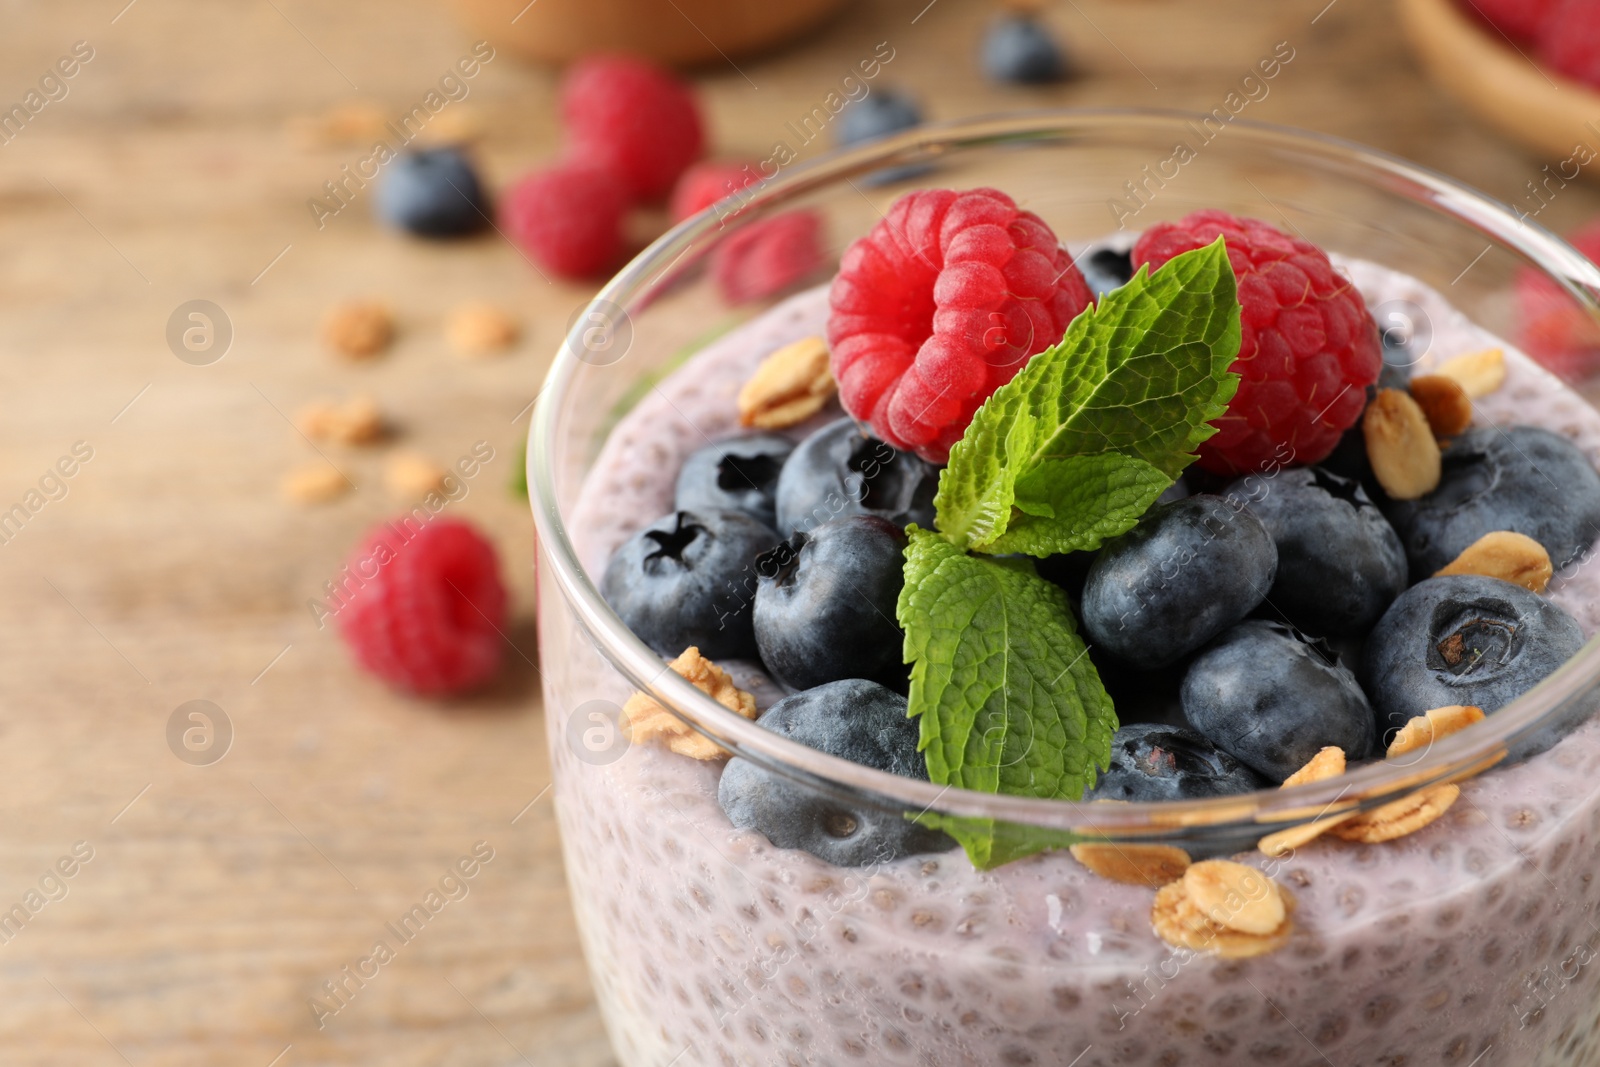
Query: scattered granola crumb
x,y
409,475
357,421
315,483
1445,403
1234,898
645,719
790,386
354,122
1134,864
480,329
1425,729
1327,763
456,125
359,329
1511,557
1404,816
1284,842
1480,373
1401,446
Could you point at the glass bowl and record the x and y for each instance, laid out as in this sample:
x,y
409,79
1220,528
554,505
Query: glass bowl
x,y
708,945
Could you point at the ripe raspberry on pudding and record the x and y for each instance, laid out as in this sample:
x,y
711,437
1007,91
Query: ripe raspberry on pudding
x,y
1309,349
940,305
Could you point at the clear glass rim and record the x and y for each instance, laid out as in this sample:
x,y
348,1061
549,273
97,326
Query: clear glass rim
x,y
1456,756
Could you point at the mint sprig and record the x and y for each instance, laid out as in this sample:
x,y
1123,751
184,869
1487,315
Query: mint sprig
x,y
995,654
1081,442
1069,453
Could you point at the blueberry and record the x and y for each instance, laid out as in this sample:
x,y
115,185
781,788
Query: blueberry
x,y
1340,563
878,114
1272,698
875,116
1523,479
1466,639
1017,49
432,193
840,471
825,604
1106,269
1394,375
739,474
1154,762
1188,571
859,721
688,579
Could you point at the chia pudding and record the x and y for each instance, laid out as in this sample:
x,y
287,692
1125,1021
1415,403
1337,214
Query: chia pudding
x,y
1467,942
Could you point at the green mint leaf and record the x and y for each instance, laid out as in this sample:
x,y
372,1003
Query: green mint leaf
x,y
1123,401
1007,699
990,843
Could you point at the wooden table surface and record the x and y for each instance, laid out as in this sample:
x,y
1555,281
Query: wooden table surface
x,y
220,898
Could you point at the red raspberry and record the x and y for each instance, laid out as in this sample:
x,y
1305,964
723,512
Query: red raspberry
x,y
633,118
567,218
1554,329
707,182
764,258
428,606
1309,348
940,305
1520,20
1569,40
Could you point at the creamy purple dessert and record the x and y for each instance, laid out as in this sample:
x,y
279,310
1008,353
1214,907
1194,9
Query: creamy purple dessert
x,y
1470,941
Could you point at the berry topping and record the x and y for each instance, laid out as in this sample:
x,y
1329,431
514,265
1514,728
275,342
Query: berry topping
x,y
1018,49
859,721
840,471
1309,347
739,474
941,304
825,605
1554,329
687,579
432,193
707,182
1188,571
1152,762
1522,479
429,618
1340,563
765,257
1274,698
632,118
1468,640
567,218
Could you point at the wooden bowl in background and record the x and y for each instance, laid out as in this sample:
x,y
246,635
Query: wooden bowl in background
x,y
1539,109
680,32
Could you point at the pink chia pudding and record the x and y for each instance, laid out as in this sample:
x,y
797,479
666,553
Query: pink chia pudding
x,y
1467,942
